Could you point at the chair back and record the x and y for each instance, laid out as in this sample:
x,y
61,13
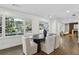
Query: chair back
x,y
26,45
50,42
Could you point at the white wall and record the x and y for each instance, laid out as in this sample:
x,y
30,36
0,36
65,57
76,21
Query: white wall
x,y
52,26
35,25
55,26
8,42
66,28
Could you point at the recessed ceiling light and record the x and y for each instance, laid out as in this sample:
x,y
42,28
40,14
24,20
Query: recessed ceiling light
x,y
68,11
50,16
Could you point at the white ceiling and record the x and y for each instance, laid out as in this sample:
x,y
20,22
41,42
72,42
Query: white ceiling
x,y
46,10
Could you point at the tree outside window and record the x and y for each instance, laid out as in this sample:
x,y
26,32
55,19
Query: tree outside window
x,y
13,26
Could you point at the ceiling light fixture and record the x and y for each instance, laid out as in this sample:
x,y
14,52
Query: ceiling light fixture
x,y
68,11
50,16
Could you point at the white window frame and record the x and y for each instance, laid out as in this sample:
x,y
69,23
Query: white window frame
x,y
3,25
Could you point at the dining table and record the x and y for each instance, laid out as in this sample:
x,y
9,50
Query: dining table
x,y
38,39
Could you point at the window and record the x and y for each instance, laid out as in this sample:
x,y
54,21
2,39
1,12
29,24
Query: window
x,y
13,26
43,25
0,26
19,26
28,25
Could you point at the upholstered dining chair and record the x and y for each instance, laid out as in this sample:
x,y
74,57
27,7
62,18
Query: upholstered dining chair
x,y
49,44
29,47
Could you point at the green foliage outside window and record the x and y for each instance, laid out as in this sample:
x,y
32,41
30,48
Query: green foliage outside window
x,y
10,25
29,25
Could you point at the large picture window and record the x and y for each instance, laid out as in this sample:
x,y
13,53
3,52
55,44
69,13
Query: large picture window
x,y
13,26
42,26
0,26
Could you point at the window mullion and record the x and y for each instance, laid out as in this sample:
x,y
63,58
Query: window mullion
x,y
3,26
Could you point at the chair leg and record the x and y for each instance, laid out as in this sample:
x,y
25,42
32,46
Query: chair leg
x,y
39,48
23,53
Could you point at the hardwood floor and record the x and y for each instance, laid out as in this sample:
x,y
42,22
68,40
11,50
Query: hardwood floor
x,y
68,46
12,51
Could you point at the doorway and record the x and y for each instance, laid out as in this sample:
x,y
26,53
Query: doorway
x,y
73,29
